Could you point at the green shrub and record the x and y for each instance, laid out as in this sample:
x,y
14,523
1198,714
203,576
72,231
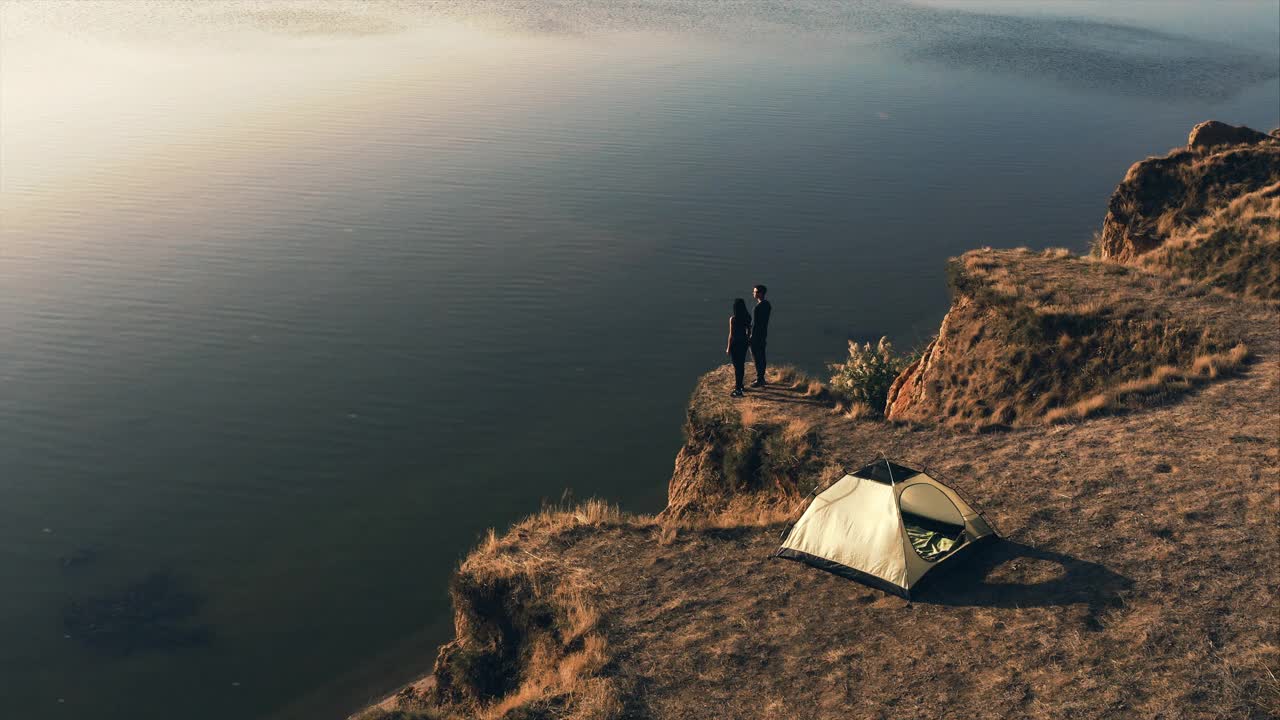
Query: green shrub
x,y
865,377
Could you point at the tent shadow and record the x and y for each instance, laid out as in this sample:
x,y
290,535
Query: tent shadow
x,y
1080,582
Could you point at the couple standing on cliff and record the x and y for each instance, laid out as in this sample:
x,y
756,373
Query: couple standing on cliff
x,y
746,331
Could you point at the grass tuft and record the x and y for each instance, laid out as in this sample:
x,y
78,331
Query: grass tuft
x,y
1164,379
1079,338
864,378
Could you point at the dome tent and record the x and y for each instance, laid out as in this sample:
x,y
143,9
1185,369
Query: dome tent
x,y
886,525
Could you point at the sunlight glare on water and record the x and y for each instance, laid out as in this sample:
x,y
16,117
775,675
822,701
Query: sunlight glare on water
x,y
298,298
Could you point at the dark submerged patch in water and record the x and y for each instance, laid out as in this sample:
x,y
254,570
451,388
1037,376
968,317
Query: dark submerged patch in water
x,y
157,612
78,558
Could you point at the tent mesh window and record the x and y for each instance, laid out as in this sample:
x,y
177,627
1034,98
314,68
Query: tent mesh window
x,y
933,523
880,469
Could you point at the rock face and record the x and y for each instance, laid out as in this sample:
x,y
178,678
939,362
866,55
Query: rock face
x,y
1212,132
908,389
1162,195
699,473
719,453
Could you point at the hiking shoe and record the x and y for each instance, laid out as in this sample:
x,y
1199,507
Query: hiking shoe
x,y
736,393
758,383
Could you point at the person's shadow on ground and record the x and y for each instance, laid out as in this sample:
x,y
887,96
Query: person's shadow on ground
x,y
966,582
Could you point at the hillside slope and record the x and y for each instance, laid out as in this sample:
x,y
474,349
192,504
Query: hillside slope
x,y
1161,195
1127,449
1043,338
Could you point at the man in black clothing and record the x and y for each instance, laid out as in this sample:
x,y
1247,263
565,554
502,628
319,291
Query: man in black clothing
x,y
760,332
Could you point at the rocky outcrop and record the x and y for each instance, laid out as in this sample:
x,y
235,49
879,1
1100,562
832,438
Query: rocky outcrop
x,y
1236,249
1162,195
730,458
528,642
1211,133
1031,338
718,452
909,388
498,619
698,475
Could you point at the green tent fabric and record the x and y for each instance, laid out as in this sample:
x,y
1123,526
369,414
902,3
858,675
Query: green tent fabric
x,y
931,544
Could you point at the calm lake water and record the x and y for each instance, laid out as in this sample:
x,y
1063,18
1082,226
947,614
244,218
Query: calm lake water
x,y
298,298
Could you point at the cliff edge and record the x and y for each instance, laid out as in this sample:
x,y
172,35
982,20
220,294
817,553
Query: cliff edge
x,y
1162,197
1128,452
1041,338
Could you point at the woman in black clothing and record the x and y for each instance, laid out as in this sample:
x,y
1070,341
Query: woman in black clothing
x,y
739,334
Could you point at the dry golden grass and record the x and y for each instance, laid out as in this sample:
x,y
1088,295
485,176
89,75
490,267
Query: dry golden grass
x,y
596,512
784,375
1210,366
489,543
745,512
1069,342
592,512
1086,308
595,699
668,531
522,611
1138,580
732,449
1082,409
982,262
799,430
1161,196
853,410
1235,249
793,378
1006,289
859,410
550,674
1163,380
